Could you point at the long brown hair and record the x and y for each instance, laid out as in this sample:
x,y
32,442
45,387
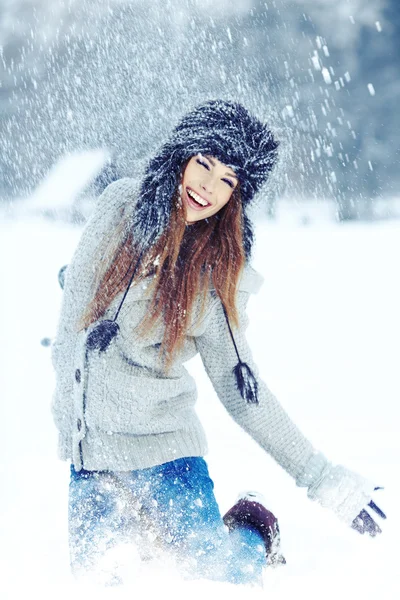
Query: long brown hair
x,y
184,261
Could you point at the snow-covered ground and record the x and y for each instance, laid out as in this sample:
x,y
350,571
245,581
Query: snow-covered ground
x,y
325,332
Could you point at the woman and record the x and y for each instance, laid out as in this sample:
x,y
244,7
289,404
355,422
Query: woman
x,y
162,272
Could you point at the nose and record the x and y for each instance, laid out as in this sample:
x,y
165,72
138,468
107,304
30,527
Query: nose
x,y
207,185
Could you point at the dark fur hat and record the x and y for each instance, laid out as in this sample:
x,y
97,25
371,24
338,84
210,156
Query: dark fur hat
x,y
225,130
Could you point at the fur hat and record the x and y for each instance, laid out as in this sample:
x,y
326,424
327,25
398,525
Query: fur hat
x,y
225,130
228,132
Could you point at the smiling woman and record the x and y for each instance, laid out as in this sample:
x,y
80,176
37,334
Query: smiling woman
x,y
207,185
124,401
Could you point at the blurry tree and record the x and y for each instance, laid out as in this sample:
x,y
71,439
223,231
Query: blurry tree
x,y
118,74
357,44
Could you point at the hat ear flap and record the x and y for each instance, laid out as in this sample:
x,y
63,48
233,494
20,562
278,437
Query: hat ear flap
x,y
153,208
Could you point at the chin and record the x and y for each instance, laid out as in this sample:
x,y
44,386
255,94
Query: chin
x,y
195,219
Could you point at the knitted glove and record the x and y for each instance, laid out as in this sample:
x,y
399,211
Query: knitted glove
x,y
347,494
365,523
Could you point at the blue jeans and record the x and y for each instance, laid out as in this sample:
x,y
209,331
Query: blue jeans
x,y
165,511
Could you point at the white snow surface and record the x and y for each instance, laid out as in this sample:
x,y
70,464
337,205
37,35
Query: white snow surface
x,y
325,332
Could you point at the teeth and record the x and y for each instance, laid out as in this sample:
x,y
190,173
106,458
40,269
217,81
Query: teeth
x,y
198,198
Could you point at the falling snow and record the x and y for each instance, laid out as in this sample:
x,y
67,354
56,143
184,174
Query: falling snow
x,y
88,90
326,75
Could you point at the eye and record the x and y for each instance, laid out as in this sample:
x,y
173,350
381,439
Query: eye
x,y
205,165
229,182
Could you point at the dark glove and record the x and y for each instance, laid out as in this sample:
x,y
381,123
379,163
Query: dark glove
x,y
347,493
364,523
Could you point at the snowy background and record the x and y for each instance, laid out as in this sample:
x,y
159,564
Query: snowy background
x,y
325,326
115,74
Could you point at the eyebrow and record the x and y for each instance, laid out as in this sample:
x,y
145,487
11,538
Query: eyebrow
x,y
208,157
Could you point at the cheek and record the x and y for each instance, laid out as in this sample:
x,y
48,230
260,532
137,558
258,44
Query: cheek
x,y
192,172
226,194
223,198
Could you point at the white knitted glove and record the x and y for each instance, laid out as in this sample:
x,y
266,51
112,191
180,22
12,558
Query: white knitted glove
x,y
348,495
341,490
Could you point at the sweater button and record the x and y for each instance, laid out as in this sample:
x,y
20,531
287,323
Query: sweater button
x,y
79,424
78,375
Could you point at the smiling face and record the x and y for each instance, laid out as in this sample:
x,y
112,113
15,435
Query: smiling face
x,y
207,185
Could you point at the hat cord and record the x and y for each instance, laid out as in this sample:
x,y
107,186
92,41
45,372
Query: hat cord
x,y
245,380
101,336
105,331
230,331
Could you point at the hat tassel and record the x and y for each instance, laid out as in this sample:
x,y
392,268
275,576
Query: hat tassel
x,y
105,331
102,335
246,382
245,379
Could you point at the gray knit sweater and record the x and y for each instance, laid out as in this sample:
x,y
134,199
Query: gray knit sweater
x,y
118,410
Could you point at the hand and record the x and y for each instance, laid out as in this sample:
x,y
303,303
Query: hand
x,y
346,493
364,523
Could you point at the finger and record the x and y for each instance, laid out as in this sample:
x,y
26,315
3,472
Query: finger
x,y
377,509
358,525
370,526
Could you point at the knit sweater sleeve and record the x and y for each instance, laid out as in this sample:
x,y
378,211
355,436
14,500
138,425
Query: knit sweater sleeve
x,y
266,422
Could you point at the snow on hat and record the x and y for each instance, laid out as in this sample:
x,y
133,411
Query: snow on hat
x,y
225,130
228,132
